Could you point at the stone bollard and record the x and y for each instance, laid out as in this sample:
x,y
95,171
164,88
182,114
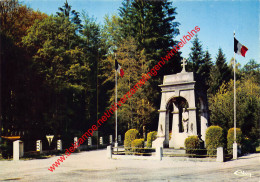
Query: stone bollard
x,y
39,146
110,139
18,149
59,145
159,153
220,154
234,150
75,140
119,139
109,152
101,140
89,141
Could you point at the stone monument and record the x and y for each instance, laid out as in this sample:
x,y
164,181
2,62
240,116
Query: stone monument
x,y
180,107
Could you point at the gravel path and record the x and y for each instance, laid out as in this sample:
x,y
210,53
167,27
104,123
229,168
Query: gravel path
x,y
94,166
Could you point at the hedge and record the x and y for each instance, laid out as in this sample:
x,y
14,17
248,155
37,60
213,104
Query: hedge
x,y
230,139
192,142
130,136
138,146
151,136
214,139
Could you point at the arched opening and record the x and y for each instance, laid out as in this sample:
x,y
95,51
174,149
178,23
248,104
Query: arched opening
x,y
175,109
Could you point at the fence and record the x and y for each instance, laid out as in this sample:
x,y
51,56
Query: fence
x,y
214,154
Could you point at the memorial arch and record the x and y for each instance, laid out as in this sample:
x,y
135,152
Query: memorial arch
x,y
178,111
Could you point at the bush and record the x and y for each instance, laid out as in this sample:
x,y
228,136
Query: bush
x,y
130,136
230,139
214,139
6,150
138,145
248,146
151,136
192,142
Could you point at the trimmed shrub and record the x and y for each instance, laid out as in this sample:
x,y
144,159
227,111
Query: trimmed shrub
x,y
151,136
214,139
130,136
192,142
230,139
138,145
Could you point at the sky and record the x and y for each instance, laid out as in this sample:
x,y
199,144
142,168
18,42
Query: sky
x,y
217,21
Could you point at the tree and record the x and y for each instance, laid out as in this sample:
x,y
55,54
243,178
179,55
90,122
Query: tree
x,y
219,73
16,19
63,70
16,76
153,25
221,106
200,64
72,15
135,113
251,69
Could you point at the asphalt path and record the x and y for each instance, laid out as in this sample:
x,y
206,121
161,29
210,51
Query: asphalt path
x,y
95,166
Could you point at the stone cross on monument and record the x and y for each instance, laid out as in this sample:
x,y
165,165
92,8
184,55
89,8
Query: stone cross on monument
x,y
183,65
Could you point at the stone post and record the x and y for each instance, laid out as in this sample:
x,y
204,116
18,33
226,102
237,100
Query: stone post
x,y
234,150
220,154
119,139
75,140
110,139
159,153
39,146
109,152
101,140
59,145
18,149
89,141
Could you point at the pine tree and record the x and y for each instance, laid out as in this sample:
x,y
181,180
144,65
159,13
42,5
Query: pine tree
x,y
200,64
220,73
72,15
152,24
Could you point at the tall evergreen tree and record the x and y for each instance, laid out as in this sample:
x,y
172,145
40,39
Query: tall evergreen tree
x,y
72,15
153,26
220,73
200,64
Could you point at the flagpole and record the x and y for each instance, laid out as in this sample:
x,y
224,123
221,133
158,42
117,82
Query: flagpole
x,y
235,132
116,144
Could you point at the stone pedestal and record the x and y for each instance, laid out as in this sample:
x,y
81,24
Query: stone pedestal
x,y
39,146
18,149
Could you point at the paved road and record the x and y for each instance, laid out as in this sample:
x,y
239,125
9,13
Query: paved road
x,y
94,166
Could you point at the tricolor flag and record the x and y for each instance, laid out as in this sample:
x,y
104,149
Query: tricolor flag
x,y
119,69
239,48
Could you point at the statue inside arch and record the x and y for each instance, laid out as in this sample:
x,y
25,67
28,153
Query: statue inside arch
x,y
185,120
